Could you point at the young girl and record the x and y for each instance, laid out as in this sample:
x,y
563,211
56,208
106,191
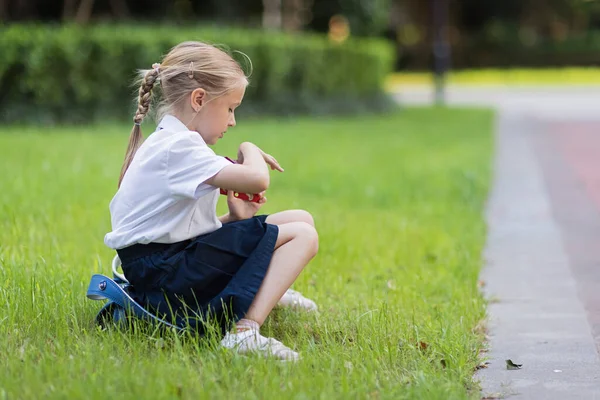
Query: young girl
x,y
182,260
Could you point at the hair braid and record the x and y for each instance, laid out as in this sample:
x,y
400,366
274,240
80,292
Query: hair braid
x,y
136,138
145,94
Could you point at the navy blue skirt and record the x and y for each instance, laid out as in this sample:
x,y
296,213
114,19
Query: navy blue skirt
x,y
210,279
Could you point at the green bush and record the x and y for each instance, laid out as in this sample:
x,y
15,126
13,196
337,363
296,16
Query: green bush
x,y
504,46
71,73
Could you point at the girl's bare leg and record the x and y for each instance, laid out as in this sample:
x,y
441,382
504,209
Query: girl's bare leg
x,y
287,216
297,243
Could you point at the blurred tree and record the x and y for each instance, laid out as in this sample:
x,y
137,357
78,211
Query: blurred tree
x,y
84,11
288,15
228,11
81,11
3,10
68,11
558,18
296,14
475,15
488,23
23,8
367,18
547,18
272,14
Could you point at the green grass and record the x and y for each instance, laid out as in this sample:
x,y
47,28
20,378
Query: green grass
x,y
398,203
512,76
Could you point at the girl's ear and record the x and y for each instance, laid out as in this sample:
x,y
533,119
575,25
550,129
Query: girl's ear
x,y
198,99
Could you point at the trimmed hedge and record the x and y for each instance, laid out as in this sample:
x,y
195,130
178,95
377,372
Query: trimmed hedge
x,y
80,74
508,51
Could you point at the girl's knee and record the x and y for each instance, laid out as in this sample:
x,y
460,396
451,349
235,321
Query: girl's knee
x,y
305,216
298,230
309,234
290,216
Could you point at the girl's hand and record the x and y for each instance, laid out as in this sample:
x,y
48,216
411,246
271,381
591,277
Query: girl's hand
x,y
271,161
240,156
240,209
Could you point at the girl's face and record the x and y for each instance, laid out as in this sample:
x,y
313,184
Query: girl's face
x,y
216,116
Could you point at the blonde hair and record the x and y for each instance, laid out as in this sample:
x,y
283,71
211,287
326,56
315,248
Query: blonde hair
x,y
188,66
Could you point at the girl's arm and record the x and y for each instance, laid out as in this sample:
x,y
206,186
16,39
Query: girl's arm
x,y
250,175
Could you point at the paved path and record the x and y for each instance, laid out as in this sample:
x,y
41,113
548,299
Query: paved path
x,y
556,103
543,250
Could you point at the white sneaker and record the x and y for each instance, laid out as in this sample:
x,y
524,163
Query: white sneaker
x,y
294,299
251,341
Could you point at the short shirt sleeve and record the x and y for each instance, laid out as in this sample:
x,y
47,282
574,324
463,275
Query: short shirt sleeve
x,y
190,162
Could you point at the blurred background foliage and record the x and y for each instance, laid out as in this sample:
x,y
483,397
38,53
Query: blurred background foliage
x,y
482,33
74,59
77,73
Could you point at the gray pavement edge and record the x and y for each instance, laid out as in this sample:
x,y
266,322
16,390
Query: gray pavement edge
x,y
535,315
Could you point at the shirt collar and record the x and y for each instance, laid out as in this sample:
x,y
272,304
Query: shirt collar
x,y
171,123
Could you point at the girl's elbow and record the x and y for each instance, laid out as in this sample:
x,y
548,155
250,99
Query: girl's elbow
x,y
262,183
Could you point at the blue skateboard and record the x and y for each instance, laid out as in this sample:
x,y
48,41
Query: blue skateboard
x,y
120,304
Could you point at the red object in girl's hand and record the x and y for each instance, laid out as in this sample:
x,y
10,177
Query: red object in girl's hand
x,y
243,196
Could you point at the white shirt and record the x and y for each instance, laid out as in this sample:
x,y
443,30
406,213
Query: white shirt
x,y
163,197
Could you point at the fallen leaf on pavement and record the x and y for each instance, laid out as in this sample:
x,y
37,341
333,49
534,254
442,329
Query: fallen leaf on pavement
x,y
512,365
482,365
